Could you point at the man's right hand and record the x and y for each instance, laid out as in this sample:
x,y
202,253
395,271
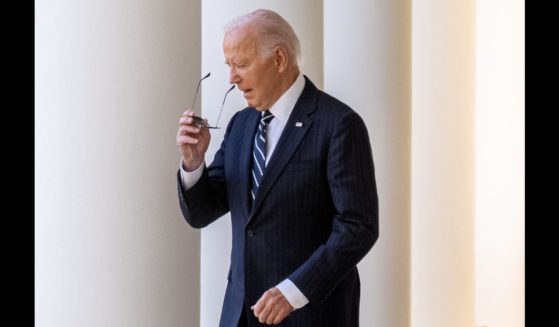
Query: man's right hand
x,y
193,141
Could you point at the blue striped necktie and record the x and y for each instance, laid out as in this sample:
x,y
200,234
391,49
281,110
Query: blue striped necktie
x,y
259,152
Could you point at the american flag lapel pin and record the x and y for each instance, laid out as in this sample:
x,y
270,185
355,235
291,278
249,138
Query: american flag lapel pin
x,y
298,124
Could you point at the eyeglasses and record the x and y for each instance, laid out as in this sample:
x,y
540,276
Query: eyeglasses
x,y
199,120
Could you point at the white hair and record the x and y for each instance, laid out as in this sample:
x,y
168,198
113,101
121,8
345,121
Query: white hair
x,y
271,31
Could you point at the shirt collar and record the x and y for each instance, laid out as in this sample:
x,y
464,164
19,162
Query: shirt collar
x,y
283,107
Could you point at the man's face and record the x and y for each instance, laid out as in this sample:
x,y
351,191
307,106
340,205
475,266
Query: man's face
x,y
257,76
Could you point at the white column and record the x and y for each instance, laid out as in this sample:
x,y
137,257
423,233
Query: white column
x,y
112,78
306,19
442,279
500,164
367,65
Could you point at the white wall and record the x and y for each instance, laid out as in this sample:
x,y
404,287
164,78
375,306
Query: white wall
x,y
112,78
500,165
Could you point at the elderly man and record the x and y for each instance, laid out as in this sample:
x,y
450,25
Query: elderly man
x,y
295,170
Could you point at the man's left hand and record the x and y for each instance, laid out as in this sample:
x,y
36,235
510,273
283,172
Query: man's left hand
x,y
272,307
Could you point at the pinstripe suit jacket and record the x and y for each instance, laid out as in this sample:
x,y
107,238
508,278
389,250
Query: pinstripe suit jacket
x,y
314,218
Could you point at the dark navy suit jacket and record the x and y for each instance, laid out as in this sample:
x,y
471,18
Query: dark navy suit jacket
x,y
314,218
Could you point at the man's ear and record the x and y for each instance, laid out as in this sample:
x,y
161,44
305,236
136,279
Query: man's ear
x,y
281,59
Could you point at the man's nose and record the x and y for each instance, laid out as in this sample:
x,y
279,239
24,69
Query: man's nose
x,y
233,76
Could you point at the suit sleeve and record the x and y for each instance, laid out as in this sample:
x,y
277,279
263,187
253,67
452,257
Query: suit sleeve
x,y
206,201
351,179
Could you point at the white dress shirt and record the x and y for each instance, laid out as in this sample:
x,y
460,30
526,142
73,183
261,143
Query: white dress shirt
x,y
281,110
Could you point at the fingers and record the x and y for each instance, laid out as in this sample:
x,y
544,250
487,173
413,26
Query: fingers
x,y
186,121
187,134
191,132
284,312
266,310
259,306
193,140
188,113
272,307
189,129
274,311
186,139
189,118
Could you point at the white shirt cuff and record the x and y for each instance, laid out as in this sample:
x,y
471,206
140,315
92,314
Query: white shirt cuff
x,y
191,178
292,294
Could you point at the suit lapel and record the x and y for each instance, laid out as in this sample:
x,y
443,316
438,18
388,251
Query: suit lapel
x,y
289,141
246,159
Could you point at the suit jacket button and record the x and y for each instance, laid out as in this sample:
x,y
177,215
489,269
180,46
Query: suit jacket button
x,y
250,233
